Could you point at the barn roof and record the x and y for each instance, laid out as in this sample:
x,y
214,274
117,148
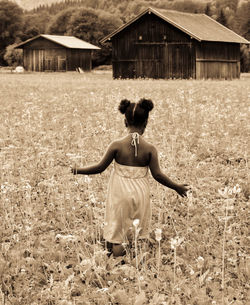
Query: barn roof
x,y
198,26
70,42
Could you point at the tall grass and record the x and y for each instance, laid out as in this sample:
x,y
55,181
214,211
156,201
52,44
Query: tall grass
x,y
51,222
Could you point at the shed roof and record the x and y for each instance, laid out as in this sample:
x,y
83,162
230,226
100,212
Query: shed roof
x,y
198,26
70,42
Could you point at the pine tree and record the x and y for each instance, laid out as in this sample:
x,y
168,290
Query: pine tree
x,y
222,18
208,10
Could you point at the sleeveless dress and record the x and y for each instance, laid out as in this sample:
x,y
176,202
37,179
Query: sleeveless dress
x,y
128,199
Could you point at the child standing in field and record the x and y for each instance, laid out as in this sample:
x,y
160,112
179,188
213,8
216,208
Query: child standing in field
x,y
128,189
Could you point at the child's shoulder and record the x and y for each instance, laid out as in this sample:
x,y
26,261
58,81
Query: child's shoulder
x,y
146,143
116,143
119,141
125,140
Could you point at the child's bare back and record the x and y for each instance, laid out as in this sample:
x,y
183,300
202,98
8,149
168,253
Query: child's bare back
x,y
125,152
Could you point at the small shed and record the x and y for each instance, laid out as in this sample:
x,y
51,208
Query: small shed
x,y
170,44
56,53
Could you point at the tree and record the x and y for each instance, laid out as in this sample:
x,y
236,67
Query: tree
x,y
208,9
244,59
107,24
59,24
34,24
222,18
231,4
189,6
92,25
243,14
14,57
11,23
84,24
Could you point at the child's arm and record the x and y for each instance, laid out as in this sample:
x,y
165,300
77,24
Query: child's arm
x,y
98,167
158,175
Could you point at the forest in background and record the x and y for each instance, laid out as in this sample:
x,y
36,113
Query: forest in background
x,y
92,20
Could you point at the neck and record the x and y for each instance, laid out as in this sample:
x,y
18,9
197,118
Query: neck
x,y
133,129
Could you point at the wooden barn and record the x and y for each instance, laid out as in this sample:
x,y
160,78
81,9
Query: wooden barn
x,y
56,53
170,44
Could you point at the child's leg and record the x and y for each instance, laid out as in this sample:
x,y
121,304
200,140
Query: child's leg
x,y
115,249
118,250
109,247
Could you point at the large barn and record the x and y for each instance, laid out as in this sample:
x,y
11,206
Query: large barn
x,y
56,53
170,44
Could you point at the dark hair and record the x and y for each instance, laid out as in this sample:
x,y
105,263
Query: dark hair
x,y
136,113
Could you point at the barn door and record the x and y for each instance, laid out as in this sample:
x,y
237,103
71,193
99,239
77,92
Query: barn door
x,y
61,62
179,60
48,63
41,56
149,60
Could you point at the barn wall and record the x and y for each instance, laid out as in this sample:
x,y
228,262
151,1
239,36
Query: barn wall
x,y
45,59
217,60
44,55
150,47
79,58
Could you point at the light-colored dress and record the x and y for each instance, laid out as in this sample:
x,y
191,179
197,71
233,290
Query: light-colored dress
x,y
128,199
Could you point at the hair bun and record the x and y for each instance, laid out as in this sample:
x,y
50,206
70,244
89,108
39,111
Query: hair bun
x,y
146,104
124,105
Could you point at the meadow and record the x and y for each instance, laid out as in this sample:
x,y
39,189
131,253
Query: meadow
x,y
51,224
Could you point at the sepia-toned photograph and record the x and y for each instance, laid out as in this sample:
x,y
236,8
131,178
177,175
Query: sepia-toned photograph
x,y
124,152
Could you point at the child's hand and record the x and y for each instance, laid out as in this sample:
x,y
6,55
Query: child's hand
x,y
74,171
182,189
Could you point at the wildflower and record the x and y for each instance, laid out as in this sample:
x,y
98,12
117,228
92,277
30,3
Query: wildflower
x,y
236,189
86,262
87,179
136,222
65,238
92,199
223,192
189,194
200,262
27,186
228,191
104,289
124,244
175,242
28,228
158,234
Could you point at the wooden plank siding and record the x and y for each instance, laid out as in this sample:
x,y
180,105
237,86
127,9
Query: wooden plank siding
x,y
45,60
169,44
79,58
217,60
152,48
43,55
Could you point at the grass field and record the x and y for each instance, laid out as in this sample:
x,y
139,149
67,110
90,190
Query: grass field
x,y
51,221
